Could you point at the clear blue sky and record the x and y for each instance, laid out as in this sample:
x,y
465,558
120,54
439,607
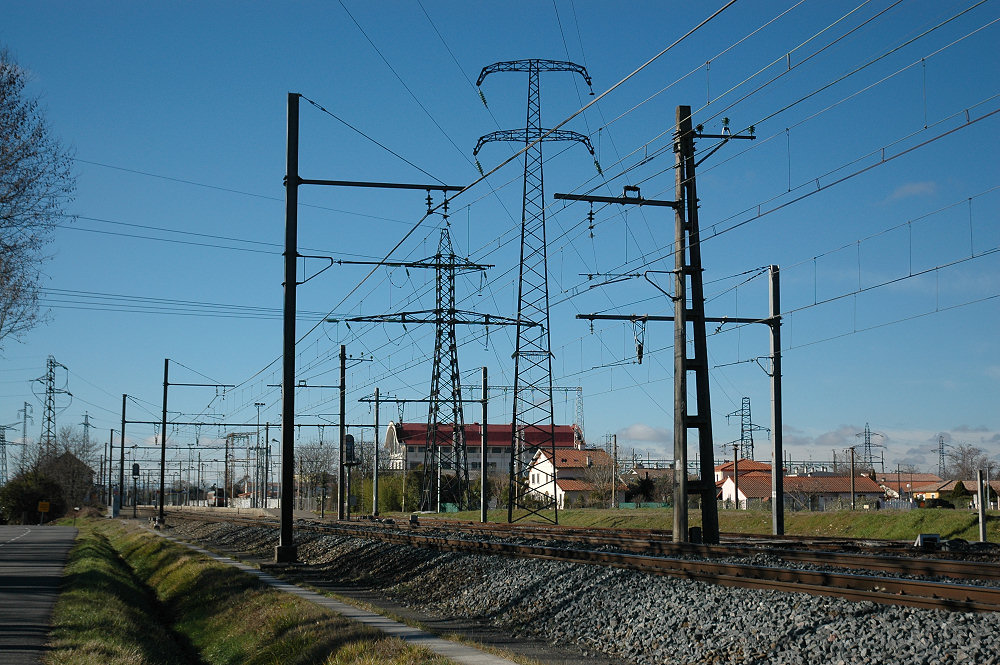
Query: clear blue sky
x,y
176,112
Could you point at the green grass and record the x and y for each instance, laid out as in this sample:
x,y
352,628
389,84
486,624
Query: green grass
x,y
107,616
127,588
893,525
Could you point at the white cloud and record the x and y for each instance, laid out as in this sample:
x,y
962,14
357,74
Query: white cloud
x,y
645,433
911,190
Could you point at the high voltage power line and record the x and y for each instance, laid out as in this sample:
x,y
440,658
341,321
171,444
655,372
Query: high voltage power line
x,y
493,292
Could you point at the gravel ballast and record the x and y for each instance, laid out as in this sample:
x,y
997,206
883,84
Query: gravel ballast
x,y
639,618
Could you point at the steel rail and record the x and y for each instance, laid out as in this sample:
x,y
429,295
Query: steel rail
x,y
652,542
883,590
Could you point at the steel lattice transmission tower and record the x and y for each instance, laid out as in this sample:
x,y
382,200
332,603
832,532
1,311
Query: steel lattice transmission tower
x,y
942,459
867,456
533,419
445,449
48,440
448,449
3,455
747,428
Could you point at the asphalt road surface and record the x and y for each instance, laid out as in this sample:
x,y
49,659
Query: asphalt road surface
x,y
32,559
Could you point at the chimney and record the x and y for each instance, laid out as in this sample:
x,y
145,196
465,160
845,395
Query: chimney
x,y
590,462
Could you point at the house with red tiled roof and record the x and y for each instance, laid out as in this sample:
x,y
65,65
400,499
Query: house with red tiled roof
x,y
943,490
578,474
405,444
729,469
803,492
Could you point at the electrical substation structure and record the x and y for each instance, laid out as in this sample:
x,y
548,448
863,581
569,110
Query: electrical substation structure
x,y
533,405
689,311
446,460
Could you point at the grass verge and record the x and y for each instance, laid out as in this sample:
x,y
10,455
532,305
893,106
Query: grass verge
x,y
106,615
894,525
124,585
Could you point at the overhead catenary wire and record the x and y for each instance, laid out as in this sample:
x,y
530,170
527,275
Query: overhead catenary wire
x,y
501,165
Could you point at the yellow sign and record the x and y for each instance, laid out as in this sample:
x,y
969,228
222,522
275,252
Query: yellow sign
x,y
43,506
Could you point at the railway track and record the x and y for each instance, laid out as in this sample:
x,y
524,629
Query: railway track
x,y
826,552
594,549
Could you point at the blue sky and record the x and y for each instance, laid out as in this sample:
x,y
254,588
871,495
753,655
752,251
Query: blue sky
x,y
873,183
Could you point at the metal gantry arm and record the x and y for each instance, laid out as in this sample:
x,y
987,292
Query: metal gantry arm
x,y
530,135
534,65
455,316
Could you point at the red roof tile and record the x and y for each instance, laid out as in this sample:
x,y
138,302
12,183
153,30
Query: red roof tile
x,y
577,459
499,434
574,485
759,487
745,465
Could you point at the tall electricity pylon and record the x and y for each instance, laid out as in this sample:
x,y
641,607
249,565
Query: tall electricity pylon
x,y
867,456
3,455
747,428
534,418
48,441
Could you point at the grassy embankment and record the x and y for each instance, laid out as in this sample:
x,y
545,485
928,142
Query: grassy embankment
x,y
890,524
133,598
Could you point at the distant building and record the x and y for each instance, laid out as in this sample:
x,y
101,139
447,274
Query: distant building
x,y
803,492
902,485
74,476
743,466
942,489
405,443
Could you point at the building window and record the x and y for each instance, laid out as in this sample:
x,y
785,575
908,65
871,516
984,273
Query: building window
x,y
475,466
496,451
411,449
493,465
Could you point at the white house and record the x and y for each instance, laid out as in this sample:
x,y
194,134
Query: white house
x,y
577,473
743,466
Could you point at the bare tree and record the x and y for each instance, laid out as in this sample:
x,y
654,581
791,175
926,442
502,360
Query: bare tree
x,y
965,459
602,477
72,466
36,182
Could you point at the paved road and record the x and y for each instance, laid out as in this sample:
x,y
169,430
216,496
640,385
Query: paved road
x,y
31,565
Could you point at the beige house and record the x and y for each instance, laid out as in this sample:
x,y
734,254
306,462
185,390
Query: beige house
x,y
903,485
